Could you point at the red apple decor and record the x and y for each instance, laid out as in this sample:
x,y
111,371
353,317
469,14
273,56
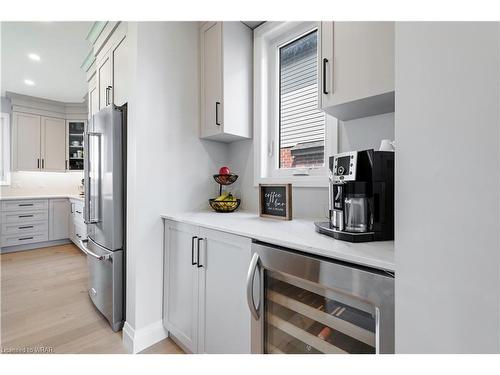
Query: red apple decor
x,y
224,170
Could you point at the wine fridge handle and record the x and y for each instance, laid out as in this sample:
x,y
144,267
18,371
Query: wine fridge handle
x,y
250,277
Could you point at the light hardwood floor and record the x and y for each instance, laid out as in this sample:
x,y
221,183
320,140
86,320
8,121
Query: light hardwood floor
x,y
44,304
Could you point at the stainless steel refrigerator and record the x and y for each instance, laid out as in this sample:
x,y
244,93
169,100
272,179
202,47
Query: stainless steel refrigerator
x,y
104,212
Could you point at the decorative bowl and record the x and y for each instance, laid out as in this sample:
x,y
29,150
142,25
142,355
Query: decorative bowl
x,y
225,179
224,206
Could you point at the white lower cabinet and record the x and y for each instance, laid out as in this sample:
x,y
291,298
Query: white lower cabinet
x,y
224,317
24,222
36,221
58,219
204,295
180,311
77,227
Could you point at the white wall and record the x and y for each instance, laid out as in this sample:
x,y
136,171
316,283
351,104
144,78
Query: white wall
x,y
365,133
447,187
169,168
356,134
36,183
5,105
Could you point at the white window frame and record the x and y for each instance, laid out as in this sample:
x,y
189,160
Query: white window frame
x,y
5,149
268,38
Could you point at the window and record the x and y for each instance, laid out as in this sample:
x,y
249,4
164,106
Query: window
x,y
4,149
301,123
292,137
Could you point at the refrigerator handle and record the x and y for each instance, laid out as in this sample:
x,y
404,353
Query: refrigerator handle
x,y
250,277
86,179
88,219
92,254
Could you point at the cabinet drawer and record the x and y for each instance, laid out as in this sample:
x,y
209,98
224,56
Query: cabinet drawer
x,y
25,205
22,229
26,217
77,211
12,240
81,231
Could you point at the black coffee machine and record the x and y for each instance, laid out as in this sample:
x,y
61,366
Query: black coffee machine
x,y
361,197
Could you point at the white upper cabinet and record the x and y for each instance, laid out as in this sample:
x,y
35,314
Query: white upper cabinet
x,y
53,144
26,142
93,98
40,132
111,82
104,82
226,81
357,69
39,143
212,80
120,58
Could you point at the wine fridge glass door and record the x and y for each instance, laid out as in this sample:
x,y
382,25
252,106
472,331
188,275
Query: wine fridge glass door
x,y
303,319
300,303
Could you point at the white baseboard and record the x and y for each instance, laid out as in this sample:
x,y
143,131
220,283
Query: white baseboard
x,y
137,340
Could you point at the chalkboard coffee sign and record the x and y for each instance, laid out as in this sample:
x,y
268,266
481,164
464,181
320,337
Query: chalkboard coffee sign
x,y
276,201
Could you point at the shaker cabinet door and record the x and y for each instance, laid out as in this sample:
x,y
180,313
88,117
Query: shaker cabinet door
x,y
180,310
212,121
93,101
26,145
104,82
53,144
120,72
59,219
357,68
224,316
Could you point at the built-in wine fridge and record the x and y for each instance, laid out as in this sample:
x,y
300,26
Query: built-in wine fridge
x,y
306,304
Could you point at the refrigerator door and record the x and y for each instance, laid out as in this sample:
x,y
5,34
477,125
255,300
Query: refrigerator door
x,y
105,281
104,178
306,304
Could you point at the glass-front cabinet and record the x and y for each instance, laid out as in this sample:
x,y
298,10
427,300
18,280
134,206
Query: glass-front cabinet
x,y
74,157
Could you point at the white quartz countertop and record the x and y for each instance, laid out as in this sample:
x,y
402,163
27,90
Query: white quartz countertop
x,y
297,234
47,196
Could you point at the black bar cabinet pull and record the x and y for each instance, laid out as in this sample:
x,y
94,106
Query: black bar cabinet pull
x,y
26,227
198,252
325,91
43,163
38,163
217,113
25,204
25,238
193,263
25,215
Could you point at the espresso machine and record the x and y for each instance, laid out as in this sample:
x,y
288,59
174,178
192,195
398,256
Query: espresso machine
x,y
361,197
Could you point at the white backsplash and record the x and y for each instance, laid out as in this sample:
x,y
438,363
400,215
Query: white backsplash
x,y
42,183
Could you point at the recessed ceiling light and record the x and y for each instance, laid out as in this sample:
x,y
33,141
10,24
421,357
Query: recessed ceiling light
x,y
34,56
29,82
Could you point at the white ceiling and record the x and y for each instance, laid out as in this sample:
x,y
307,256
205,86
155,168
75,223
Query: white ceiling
x,y
62,48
